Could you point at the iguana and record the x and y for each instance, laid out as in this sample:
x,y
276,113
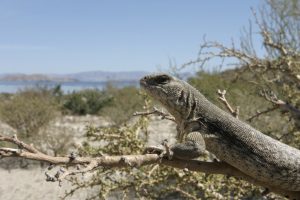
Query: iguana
x,y
203,126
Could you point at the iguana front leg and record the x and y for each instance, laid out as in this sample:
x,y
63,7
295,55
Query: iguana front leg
x,y
192,147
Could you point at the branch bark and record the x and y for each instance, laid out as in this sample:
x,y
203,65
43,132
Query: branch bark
x,y
223,99
282,105
155,111
91,163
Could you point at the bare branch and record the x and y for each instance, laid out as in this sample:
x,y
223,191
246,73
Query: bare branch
x,y
91,166
258,113
268,41
271,97
184,193
155,111
91,163
223,99
20,144
278,103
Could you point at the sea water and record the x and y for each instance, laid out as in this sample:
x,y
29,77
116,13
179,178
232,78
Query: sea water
x,y
67,87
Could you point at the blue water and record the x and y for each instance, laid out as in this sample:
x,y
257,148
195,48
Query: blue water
x,y
67,87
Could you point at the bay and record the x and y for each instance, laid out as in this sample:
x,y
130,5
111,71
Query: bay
x,y
67,87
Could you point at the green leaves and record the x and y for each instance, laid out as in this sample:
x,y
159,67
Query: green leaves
x,y
89,101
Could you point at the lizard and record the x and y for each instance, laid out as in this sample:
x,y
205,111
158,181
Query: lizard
x,y
202,126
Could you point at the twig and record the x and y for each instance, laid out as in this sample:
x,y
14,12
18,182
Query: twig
x,y
189,196
271,97
152,170
91,166
7,152
223,99
20,144
284,106
258,113
168,150
155,111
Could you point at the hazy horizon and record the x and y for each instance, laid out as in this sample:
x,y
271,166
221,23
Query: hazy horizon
x,y
78,72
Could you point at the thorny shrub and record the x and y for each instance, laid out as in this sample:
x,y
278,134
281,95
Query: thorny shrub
x,y
29,110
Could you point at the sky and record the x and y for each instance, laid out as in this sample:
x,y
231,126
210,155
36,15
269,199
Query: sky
x,y
68,36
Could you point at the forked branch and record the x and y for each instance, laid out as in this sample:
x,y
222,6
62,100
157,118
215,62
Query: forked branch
x,y
284,106
155,111
222,98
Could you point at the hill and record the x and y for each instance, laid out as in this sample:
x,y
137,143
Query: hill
x,y
92,76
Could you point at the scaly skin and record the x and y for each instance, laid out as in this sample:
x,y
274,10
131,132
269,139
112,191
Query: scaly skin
x,y
231,140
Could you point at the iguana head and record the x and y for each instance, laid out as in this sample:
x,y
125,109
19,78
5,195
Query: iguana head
x,y
173,93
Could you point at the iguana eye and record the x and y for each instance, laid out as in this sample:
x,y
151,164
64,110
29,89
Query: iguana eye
x,y
162,79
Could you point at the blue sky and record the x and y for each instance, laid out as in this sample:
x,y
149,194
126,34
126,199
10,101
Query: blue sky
x,y
66,36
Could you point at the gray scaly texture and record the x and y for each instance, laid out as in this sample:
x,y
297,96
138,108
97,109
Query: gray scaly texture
x,y
202,125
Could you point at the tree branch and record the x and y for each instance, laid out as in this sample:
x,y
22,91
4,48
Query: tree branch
x,y
284,106
223,99
20,144
155,111
91,163
258,113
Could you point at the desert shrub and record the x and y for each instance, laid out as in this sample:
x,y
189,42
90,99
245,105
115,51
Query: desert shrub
x,y
89,101
208,83
5,96
56,140
28,110
124,103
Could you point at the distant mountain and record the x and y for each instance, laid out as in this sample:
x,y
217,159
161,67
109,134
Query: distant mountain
x,y
104,76
34,77
92,76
